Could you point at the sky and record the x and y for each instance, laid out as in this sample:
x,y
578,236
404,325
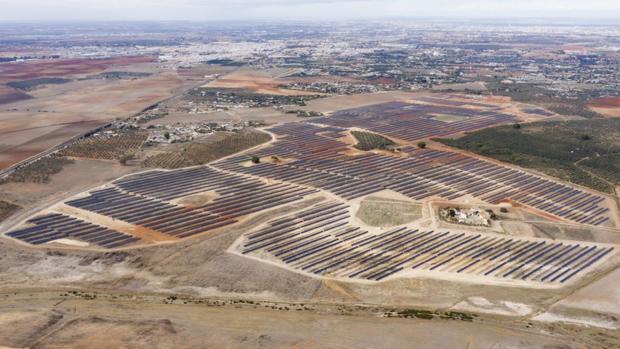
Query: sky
x,y
201,10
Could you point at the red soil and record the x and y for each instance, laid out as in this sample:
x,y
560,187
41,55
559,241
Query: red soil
x,y
32,70
605,102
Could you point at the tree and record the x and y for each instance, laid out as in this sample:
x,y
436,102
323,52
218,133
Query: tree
x,y
167,135
421,145
255,159
516,126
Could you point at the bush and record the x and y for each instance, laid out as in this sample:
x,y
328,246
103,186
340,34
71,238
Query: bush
x,y
421,145
255,159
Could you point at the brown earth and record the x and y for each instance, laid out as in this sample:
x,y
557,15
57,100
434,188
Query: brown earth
x,y
606,106
31,70
605,102
255,81
88,320
31,126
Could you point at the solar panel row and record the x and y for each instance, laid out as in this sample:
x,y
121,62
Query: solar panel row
x,y
412,122
318,161
52,227
320,241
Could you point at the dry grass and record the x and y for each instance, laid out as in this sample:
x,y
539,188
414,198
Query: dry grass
x,y
380,212
7,209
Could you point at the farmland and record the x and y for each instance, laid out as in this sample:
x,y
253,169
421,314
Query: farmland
x,y
198,153
54,113
39,171
107,147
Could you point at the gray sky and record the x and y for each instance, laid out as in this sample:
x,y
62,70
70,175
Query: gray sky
x,y
16,10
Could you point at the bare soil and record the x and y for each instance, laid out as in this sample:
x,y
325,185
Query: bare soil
x,y
114,321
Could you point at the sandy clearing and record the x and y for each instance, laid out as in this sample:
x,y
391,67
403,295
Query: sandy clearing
x,y
499,307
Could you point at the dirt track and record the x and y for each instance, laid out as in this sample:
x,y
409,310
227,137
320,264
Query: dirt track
x,y
46,319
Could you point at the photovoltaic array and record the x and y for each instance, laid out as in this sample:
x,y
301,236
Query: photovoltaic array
x,y
319,160
144,201
320,241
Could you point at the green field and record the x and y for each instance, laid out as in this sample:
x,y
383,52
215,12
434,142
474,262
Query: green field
x,y
585,152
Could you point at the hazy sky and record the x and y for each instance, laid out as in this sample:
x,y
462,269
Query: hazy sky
x,y
16,10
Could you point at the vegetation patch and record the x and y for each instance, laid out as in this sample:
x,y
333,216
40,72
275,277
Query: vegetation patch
x,y
585,152
369,141
31,84
115,146
430,315
119,75
39,171
7,209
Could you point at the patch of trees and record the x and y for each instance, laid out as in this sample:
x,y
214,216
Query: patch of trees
x,y
369,141
567,150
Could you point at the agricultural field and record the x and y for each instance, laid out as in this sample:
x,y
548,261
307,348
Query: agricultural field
x,y
117,146
198,153
51,114
369,141
571,150
39,171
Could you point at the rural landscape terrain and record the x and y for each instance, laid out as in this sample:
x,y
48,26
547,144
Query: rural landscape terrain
x,y
310,185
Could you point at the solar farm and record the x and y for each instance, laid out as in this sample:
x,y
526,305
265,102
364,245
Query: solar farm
x,y
320,241
315,160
